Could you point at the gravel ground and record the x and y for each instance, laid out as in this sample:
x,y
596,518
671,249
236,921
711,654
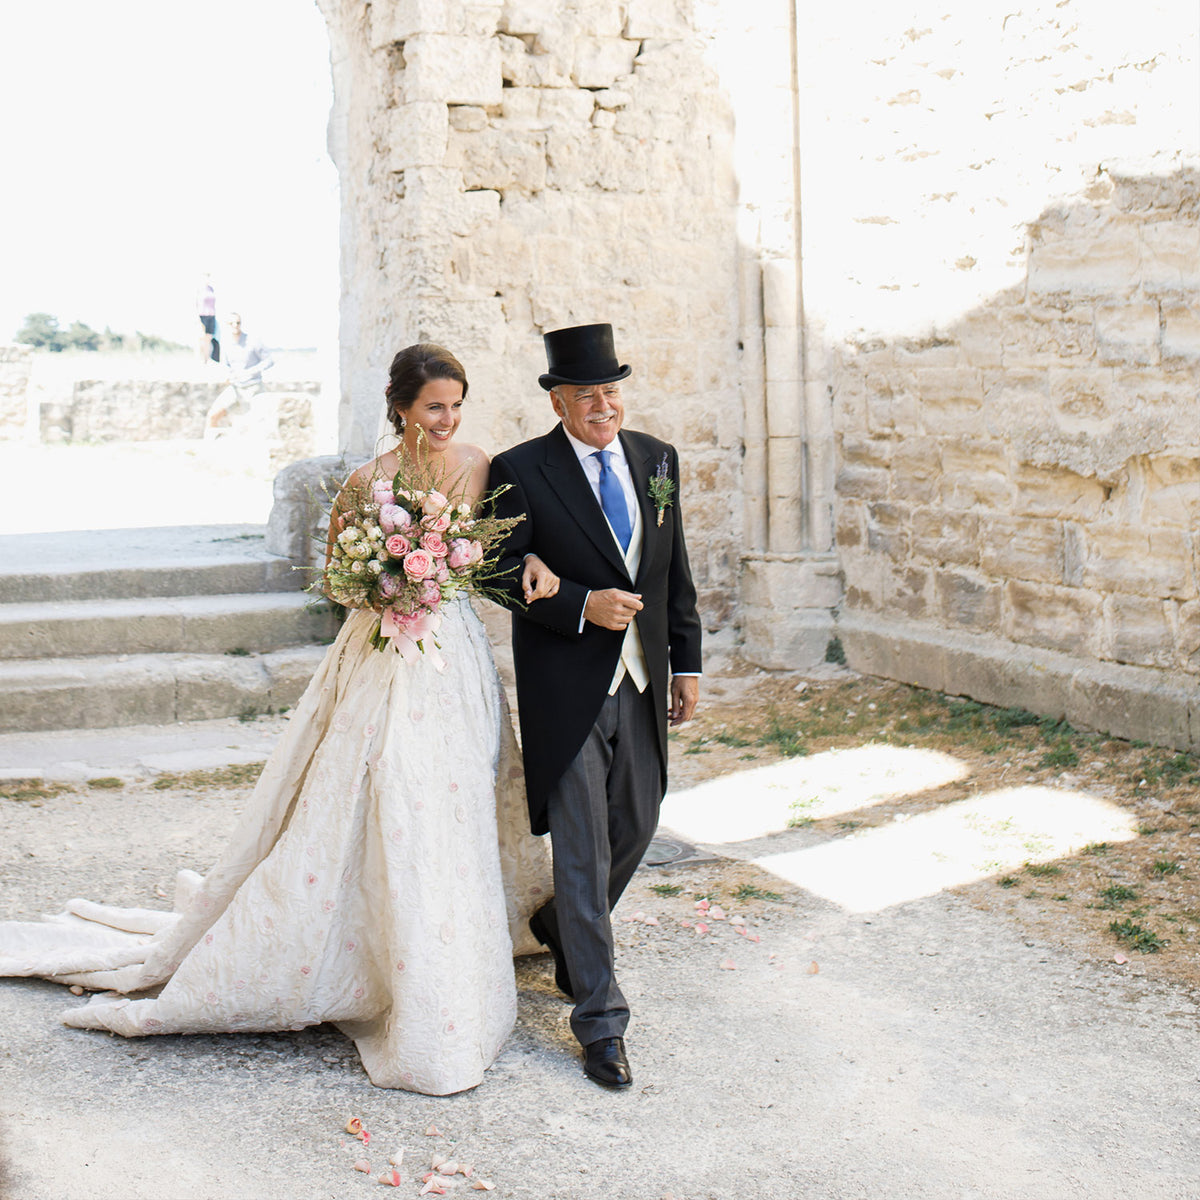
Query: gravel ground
x,y
928,1050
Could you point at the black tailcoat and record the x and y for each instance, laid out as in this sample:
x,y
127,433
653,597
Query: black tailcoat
x,y
563,675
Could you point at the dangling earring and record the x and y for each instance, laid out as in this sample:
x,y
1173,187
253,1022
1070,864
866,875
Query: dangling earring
x,y
403,424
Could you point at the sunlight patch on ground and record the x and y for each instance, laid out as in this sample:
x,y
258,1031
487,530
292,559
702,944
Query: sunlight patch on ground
x,y
748,804
956,844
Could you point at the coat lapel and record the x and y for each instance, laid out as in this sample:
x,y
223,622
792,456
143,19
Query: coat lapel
x,y
565,475
641,466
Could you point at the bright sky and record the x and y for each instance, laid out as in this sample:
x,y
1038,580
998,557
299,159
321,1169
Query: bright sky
x,y
147,141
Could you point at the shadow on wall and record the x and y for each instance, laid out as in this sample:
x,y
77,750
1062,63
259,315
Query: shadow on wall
x,y
1027,482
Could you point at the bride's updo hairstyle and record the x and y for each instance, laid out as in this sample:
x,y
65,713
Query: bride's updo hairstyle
x,y
411,370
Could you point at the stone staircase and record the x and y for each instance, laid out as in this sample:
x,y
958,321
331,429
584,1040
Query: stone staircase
x,y
112,628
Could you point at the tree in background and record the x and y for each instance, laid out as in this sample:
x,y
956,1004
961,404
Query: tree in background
x,y
41,330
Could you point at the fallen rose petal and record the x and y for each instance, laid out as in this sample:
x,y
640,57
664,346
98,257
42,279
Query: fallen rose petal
x,y
363,1166
354,1126
396,1157
813,969
701,927
391,1178
433,1131
446,1167
716,913
432,1188
1120,959
737,920
686,924
483,1185
365,1137
702,906
436,1161
650,921
466,1168
729,965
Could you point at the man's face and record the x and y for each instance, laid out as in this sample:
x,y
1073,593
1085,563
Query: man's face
x,y
235,324
591,412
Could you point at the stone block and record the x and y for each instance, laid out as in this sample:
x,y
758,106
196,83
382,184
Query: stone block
x,y
1187,637
601,61
1057,618
1102,260
1169,485
781,295
655,20
470,118
783,582
968,601
1016,400
782,348
1137,630
888,530
849,525
785,408
1170,255
946,536
565,106
1021,548
524,16
1128,333
861,483
399,20
1039,336
867,451
795,642
417,135
975,473
452,70
499,160
916,470
951,399
908,591
1057,492
303,496
1181,333
1158,563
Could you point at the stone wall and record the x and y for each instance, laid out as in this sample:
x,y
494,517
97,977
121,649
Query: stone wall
x,y
15,362
511,168
147,410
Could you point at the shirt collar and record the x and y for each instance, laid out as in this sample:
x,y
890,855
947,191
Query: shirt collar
x,y
584,451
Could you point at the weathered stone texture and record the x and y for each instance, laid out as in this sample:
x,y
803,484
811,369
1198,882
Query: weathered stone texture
x,y
1060,479
15,365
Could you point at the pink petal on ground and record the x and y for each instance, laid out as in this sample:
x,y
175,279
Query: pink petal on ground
x,y
482,1185
702,906
354,1126
686,924
466,1168
366,1138
716,913
737,920
363,1166
432,1187
701,927
436,1161
1120,959
650,921
813,969
729,965
433,1131
391,1178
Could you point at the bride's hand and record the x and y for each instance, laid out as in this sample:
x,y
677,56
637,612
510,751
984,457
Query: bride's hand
x,y
538,582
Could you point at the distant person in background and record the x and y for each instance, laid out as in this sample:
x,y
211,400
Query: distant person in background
x,y
246,359
206,306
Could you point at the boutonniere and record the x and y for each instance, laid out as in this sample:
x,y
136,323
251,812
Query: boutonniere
x,y
662,488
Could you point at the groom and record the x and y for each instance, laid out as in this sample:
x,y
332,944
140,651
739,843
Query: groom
x,y
601,507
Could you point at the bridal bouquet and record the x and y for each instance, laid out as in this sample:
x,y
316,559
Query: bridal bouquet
x,y
403,548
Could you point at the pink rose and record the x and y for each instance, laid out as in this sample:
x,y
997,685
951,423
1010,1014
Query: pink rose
x,y
397,545
389,585
419,564
433,503
431,594
393,517
434,544
464,552
442,572
438,524
382,493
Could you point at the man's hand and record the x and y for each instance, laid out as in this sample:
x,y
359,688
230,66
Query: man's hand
x,y
685,691
612,608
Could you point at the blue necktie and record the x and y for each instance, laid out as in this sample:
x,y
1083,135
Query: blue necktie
x,y
612,500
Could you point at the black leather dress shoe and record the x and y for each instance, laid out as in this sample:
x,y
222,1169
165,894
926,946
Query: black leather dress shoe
x,y
605,1062
562,980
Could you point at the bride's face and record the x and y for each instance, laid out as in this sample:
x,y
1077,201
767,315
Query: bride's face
x,y
437,410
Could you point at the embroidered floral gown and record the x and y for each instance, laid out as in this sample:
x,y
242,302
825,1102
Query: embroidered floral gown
x,y
380,878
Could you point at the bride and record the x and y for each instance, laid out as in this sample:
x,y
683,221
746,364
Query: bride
x,y
383,872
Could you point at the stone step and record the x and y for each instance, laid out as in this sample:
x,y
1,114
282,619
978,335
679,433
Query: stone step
x,y
123,563
140,689
252,622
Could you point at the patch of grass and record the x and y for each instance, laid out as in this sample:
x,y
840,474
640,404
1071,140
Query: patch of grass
x,y
697,747
799,821
747,757
748,891
1061,754
848,824
1007,881
783,734
1117,893
1096,848
834,651
1013,718
1165,867
1137,937
730,739
32,789
1043,869
666,889
106,781
1062,896
1147,830
238,652
234,775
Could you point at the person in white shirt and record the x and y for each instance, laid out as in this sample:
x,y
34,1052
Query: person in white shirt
x,y
246,359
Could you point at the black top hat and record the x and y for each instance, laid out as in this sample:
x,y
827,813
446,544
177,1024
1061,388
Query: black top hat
x,y
581,355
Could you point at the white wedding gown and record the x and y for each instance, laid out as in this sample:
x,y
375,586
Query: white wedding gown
x,y
381,878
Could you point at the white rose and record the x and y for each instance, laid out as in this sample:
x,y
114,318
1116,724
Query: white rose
x,y
357,568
